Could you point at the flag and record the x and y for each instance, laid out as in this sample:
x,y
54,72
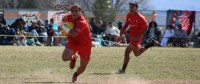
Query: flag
x,y
185,18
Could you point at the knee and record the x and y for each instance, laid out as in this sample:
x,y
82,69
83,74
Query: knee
x,y
137,55
64,58
83,67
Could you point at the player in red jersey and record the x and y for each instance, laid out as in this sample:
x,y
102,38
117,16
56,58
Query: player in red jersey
x,y
138,27
79,40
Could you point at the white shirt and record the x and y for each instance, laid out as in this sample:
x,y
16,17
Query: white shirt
x,y
113,31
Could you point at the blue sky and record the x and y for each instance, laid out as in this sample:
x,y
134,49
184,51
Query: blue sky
x,y
175,4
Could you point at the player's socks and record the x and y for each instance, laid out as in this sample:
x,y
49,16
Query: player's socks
x,y
148,45
124,67
122,71
152,43
75,76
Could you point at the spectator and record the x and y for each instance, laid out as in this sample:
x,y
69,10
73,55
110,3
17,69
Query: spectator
x,y
180,37
198,39
101,27
50,33
39,27
169,33
10,40
119,24
20,29
123,37
42,32
2,21
56,40
3,31
18,24
33,32
112,33
153,32
46,24
94,26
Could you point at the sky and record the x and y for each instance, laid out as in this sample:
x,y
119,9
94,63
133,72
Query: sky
x,y
175,4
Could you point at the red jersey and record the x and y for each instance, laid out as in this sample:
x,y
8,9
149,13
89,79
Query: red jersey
x,y
136,22
81,26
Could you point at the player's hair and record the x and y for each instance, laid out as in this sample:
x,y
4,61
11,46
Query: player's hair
x,y
67,8
133,4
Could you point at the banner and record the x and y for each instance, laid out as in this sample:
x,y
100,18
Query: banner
x,y
185,18
56,15
29,16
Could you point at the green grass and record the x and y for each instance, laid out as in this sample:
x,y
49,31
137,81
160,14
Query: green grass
x,y
44,65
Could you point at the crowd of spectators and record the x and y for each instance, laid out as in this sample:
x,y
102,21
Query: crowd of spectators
x,y
104,34
36,34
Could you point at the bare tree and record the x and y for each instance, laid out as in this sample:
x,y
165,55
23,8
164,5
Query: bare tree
x,y
86,4
45,4
6,4
117,4
34,4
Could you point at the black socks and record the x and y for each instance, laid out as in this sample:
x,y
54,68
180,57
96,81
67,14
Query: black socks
x,y
149,45
75,74
124,67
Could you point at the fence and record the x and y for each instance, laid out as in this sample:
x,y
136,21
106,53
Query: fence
x,y
11,15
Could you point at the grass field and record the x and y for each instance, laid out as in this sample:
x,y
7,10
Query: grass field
x,y
44,65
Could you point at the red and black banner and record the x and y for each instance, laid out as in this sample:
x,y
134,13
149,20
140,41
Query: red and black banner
x,y
185,18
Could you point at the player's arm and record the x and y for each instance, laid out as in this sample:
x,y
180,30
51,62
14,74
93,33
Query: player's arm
x,y
77,30
73,33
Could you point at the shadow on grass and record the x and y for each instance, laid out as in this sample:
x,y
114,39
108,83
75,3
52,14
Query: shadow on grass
x,y
48,82
101,74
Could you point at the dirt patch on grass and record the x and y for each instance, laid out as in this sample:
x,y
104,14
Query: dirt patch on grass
x,y
175,82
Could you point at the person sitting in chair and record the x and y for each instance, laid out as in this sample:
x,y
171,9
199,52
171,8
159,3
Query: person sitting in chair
x,y
180,37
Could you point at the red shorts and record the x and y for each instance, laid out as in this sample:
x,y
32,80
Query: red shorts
x,y
135,43
84,52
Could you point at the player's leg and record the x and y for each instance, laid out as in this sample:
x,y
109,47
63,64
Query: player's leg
x,y
81,68
67,54
138,50
128,50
